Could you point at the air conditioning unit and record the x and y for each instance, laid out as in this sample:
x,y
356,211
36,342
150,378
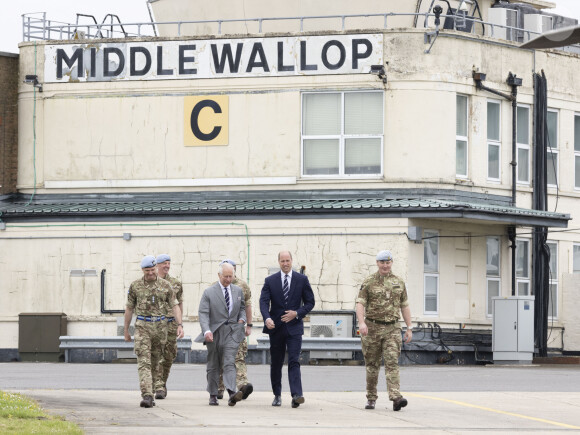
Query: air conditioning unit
x,y
504,17
537,23
330,325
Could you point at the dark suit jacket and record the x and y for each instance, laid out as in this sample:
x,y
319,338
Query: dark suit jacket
x,y
273,306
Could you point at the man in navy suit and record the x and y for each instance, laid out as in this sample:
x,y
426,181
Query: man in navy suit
x,y
286,298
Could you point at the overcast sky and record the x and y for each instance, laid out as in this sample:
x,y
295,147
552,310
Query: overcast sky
x,y
129,11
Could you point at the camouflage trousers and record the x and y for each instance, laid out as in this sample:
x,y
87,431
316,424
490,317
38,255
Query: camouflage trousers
x,y
150,339
169,352
382,342
241,370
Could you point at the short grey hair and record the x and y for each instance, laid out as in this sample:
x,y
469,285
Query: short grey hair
x,y
221,268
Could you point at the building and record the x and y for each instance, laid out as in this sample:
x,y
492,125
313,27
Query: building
x,y
331,137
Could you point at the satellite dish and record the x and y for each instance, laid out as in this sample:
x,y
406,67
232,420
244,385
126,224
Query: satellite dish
x,y
555,38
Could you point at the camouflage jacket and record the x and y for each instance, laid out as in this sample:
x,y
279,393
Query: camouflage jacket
x,y
383,297
151,298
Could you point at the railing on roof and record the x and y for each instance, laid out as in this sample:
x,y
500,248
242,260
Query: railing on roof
x,y
37,27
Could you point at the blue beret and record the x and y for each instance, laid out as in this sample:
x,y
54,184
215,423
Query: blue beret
x,y
385,256
148,261
162,258
232,262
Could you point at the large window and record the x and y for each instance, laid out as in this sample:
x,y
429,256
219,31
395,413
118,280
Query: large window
x,y
523,267
576,259
342,133
523,144
493,140
552,148
431,272
461,137
493,268
577,151
553,302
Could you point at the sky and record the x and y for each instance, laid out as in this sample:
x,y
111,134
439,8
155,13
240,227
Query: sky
x,y
129,11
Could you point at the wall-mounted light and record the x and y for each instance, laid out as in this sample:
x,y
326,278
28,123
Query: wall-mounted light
x,y
32,79
379,70
127,236
83,272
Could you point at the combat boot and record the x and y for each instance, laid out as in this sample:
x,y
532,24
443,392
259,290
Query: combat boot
x,y
147,402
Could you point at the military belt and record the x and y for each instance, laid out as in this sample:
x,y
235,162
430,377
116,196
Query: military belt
x,y
170,319
151,318
381,322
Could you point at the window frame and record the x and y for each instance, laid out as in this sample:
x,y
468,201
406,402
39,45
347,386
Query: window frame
x,y
574,246
492,278
576,149
458,137
342,137
494,143
431,274
553,281
528,279
527,147
554,150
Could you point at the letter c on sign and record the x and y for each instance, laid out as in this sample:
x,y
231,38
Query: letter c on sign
x,y
195,120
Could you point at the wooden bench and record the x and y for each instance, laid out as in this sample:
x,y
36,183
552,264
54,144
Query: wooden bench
x,y
68,342
351,344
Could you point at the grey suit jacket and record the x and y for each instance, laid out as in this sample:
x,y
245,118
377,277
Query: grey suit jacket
x,y
213,312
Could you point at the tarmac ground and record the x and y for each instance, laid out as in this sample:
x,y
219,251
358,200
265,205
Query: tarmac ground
x,y
104,399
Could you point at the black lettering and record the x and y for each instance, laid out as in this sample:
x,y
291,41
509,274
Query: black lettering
x,y
303,65
195,117
340,62
119,53
234,63
183,59
160,70
257,49
76,57
281,66
93,62
132,52
355,53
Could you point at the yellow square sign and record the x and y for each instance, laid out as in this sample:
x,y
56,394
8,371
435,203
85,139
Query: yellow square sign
x,y
206,120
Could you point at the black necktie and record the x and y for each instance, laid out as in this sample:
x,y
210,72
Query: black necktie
x,y
285,288
227,296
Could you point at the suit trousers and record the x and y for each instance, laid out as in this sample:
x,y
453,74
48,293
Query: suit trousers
x,y
280,341
221,354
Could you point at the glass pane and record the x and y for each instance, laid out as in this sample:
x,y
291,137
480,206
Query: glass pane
x,y
493,161
553,302
430,252
522,259
461,122
576,258
577,171
493,121
362,156
553,260
523,165
552,130
493,256
320,156
523,288
431,293
363,113
461,157
523,125
321,114
577,133
552,163
492,292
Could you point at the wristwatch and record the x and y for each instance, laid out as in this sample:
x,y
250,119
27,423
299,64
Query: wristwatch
x,y
249,324
180,324
410,328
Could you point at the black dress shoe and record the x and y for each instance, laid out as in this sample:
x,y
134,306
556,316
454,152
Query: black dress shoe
x,y
235,397
297,400
277,401
246,390
213,401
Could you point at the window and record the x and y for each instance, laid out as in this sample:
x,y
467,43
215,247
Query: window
x,y
461,137
431,272
493,266
523,267
523,144
577,151
493,140
342,133
552,148
576,266
553,302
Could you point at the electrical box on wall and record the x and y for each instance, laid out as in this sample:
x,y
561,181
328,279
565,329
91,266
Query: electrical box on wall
x,y
513,329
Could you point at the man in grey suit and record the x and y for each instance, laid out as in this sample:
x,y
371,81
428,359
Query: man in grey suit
x,y
222,317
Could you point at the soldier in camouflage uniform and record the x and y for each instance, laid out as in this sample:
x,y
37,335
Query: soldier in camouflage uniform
x,y
381,296
150,297
241,370
170,349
